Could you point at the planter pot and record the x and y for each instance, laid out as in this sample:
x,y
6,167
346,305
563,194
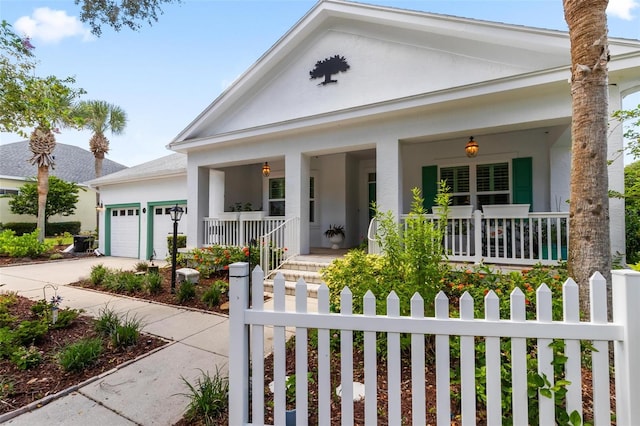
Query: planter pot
x,y
335,241
554,252
228,215
456,212
257,215
506,211
290,417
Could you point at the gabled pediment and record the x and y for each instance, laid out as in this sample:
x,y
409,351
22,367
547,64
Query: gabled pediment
x,y
391,55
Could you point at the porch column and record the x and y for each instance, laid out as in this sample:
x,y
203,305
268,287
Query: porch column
x,y
389,177
297,173
198,203
216,193
615,144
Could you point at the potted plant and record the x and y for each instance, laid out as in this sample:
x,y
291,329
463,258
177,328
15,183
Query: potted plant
x,y
335,234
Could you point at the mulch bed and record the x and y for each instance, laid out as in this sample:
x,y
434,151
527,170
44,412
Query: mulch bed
x,y
20,388
46,257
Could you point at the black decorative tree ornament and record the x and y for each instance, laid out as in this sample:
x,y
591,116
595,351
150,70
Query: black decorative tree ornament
x,y
328,67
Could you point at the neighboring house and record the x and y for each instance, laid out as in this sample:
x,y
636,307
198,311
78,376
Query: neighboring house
x,y
406,92
135,221
72,164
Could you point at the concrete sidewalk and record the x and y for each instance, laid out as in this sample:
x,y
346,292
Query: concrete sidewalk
x,y
144,392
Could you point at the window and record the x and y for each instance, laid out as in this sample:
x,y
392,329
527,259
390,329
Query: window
x,y
158,210
4,191
492,184
457,179
276,197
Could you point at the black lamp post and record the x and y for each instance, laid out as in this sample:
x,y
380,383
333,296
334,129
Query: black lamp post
x,y
176,215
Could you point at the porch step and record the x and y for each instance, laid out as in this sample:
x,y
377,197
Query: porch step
x,y
290,288
301,267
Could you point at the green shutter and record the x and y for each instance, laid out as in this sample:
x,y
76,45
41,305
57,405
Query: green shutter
x,y
429,185
522,181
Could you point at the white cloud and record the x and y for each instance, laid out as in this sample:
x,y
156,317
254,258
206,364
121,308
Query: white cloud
x,y
51,26
622,8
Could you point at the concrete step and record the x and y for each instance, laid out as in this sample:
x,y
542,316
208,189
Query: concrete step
x,y
290,288
302,265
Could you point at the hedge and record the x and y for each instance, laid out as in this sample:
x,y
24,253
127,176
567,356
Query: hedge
x,y
59,228
182,241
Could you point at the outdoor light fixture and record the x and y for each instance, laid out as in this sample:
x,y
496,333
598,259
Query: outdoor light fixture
x,y
176,215
472,148
100,207
266,169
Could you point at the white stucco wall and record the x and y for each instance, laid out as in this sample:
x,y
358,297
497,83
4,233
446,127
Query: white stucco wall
x,y
169,190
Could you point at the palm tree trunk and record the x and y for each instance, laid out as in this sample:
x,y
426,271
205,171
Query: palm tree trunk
x,y
43,190
98,164
589,240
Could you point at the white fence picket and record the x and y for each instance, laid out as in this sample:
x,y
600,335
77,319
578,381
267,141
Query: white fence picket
x,y
545,355
346,360
600,355
492,356
279,360
519,397
257,347
417,365
393,363
443,368
302,362
573,372
370,364
467,365
324,358
254,318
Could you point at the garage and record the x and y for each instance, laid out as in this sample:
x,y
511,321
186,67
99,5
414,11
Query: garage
x,y
163,227
125,231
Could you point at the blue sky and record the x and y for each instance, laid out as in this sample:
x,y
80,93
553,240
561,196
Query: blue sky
x,y
163,76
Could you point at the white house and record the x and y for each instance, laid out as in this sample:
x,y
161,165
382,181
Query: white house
x,y
135,221
408,92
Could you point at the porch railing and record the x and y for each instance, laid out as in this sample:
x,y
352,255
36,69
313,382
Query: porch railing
x,y
279,244
541,237
238,232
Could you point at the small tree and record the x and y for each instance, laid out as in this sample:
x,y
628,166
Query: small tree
x,y
62,198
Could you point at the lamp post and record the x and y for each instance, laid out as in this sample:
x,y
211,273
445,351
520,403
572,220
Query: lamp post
x,y
176,215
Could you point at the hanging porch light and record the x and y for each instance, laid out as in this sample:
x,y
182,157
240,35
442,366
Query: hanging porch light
x,y
471,148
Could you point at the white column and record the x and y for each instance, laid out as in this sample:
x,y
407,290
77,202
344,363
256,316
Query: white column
x,y
297,173
389,177
197,202
615,145
216,192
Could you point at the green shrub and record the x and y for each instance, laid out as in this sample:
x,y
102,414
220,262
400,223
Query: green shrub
x,y
107,321
211,296
186,291
56,256
126,333
98,273
115,281
60,228
209,397
28,333
7,320
20,228
181,242
22,246
141,266
66,317
26,359
77,356
133,283
7,342
153,283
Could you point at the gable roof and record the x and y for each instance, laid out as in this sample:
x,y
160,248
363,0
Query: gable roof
x,y
456,58
72,163
167,166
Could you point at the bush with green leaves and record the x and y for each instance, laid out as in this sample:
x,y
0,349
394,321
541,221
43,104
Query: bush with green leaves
x,y
26,358
141,266
66,317
26,245
107,321
209,397
80,355
28,333
127,332
7,342
186,291
153,283
211,296
98,273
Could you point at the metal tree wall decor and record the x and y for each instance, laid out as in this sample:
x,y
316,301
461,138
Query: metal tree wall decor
x,y
328,67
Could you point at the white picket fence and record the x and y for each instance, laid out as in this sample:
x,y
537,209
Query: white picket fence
x,y
247,331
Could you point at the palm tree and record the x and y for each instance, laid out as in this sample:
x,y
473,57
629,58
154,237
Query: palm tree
x,y
100,117
42,143
589,241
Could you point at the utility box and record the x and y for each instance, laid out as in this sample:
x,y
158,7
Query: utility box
x,y
184,274
81,243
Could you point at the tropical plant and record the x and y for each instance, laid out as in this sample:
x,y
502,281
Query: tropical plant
x,y
100,117
62,198
589,241
334,230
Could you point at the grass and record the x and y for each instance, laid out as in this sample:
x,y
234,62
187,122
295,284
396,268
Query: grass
x,y
77,356
209,397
